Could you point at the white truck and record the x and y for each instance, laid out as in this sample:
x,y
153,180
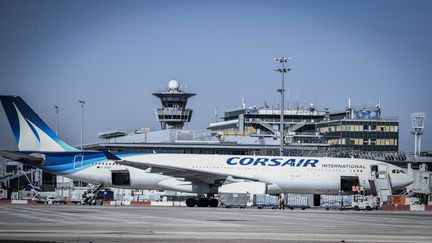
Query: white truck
x,y
361,202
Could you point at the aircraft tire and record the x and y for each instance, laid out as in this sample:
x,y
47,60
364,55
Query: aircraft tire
x,y
203,202
191,202
213,202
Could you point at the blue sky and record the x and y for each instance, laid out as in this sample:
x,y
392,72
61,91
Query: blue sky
x,y
114,54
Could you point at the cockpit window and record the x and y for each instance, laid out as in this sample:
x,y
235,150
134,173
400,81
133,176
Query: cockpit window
x,y
397,171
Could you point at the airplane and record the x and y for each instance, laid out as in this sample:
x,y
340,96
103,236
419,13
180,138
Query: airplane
x,y
202,174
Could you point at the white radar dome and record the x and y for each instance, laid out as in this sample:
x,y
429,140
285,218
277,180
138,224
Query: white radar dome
x,y
173,85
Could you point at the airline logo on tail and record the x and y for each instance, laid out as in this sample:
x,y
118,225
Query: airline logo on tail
x,y
31,133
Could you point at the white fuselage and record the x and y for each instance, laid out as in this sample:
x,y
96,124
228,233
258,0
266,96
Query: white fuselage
x,y
282,174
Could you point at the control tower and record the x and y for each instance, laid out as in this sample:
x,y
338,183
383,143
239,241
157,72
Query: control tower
x,y
173,113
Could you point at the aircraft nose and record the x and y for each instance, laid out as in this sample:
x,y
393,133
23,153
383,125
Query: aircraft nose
x,y
406,181
402,181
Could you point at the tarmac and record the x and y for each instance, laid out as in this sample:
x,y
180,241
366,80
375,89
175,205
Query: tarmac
x,y
58,223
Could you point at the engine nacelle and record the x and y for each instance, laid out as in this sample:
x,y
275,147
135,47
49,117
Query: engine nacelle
x,y
174,184
251,187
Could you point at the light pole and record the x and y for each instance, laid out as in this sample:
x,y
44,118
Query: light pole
x,y
56,132
282,70
82,102
57,109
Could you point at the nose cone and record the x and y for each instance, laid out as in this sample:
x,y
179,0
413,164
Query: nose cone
x,y
401,181
408,181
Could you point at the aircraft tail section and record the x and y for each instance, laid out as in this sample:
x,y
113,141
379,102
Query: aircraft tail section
x,y
30,131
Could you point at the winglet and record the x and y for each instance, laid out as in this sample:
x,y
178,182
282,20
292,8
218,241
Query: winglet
x,y
111,156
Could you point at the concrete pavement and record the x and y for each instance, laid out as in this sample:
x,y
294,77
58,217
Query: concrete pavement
x,y
180,224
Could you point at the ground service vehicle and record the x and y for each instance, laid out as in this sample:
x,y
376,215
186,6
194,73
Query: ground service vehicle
x,y
361,202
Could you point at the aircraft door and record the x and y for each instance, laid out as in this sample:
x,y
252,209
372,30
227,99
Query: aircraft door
x,y
120,177
382,171
78,161
374,172
348,182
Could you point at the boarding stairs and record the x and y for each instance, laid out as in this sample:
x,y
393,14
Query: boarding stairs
x,y
382,185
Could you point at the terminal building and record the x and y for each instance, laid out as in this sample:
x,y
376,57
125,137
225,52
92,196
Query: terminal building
x,y
356,129
255,131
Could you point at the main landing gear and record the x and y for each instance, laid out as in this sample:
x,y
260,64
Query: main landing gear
x,y
202,202
191,202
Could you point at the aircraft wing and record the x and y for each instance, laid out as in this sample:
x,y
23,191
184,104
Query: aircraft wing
x,y
34,160
188,174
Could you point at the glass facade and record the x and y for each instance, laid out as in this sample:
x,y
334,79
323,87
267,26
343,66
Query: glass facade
x,y
361,135
352,130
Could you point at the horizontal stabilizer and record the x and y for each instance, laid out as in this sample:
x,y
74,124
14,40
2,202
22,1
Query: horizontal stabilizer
x,y
22,157
111,156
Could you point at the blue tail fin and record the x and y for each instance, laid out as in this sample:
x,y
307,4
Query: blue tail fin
x,y
31,133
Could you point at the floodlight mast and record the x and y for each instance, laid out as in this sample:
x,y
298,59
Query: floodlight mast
x,y
282,70
417,122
